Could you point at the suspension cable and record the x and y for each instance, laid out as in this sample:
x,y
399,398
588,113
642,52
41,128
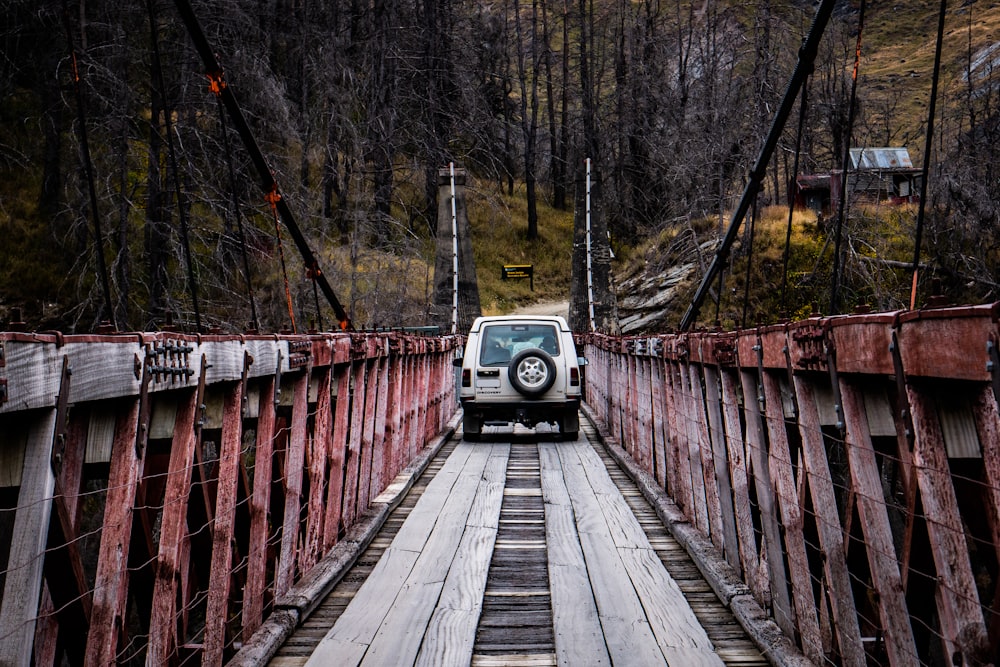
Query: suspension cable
x,y
803,103
807,55
172,153
215,84
88,168
746,285
841,208
273,197
925,170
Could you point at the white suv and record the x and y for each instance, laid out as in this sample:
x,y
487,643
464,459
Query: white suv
x,y
521,369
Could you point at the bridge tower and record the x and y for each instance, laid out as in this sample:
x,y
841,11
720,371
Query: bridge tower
x,y
443,303
591,280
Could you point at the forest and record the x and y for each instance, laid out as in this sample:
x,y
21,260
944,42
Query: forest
x,y
128,200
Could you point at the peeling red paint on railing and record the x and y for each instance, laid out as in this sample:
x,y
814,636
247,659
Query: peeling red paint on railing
x,y
160,494
847,467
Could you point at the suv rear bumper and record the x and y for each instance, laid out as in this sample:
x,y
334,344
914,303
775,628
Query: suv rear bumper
x,y
522,411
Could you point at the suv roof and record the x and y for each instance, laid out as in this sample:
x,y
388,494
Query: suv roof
x,y
489,319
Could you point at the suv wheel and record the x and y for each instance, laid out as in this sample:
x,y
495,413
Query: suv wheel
x,y
531,372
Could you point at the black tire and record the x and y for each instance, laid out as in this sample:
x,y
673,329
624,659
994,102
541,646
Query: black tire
x,y
531,372
471,428
569,425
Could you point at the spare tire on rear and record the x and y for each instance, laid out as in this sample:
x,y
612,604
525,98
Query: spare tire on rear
x,y
531,372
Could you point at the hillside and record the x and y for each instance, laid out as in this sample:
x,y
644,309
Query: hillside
x,y
353,123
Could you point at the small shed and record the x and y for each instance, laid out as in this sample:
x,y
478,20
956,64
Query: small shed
x,y
876,175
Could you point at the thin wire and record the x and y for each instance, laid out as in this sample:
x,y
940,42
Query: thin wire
x,y
272,198
927,154
181,212
791,203
835,281
88,168
746,286
216,85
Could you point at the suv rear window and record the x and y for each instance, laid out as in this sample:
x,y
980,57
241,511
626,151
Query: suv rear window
x,y
500,342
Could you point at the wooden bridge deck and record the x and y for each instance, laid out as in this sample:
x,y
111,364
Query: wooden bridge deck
x,y
522,551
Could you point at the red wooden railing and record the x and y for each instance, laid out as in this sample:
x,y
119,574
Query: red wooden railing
x,y
848,468
159,492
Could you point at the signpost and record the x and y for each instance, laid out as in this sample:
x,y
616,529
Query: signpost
x,y
517,271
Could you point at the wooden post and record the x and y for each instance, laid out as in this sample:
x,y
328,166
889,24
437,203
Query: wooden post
x,y
783,477
831,534
220,579
784,613
173,530
285,572
260,501
875,526
337,454
717,435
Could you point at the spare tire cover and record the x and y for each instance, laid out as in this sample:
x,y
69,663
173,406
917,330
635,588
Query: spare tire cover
x,y
532,372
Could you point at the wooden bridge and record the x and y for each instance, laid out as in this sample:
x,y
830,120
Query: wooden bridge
x,y
181,499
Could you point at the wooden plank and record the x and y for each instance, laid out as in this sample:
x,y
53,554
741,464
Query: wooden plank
x,y
368,436
451,633
260,500
717,437
23,582
353,465
867,485
220,579
337,455
679,634
754,571
712,503
380,457
627,631
659,422
285,571
784,614
348,640
958,600
576,624
393,607
173,529
831,534
317,463
783,478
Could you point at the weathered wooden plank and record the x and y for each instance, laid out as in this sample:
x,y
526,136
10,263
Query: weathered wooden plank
x,y
958,600
626,628
754,570
717,436
23,583
435,527
317,462
451,632
875,526
380,453
220,579
368,437
576,625
708,483
348,640
657,405
173,528
338,455
679,634
831,534
288,557
784,613
253,593
349,511
783,478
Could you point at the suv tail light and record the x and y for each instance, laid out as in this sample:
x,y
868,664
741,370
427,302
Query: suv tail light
x,y
574,377
466,377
